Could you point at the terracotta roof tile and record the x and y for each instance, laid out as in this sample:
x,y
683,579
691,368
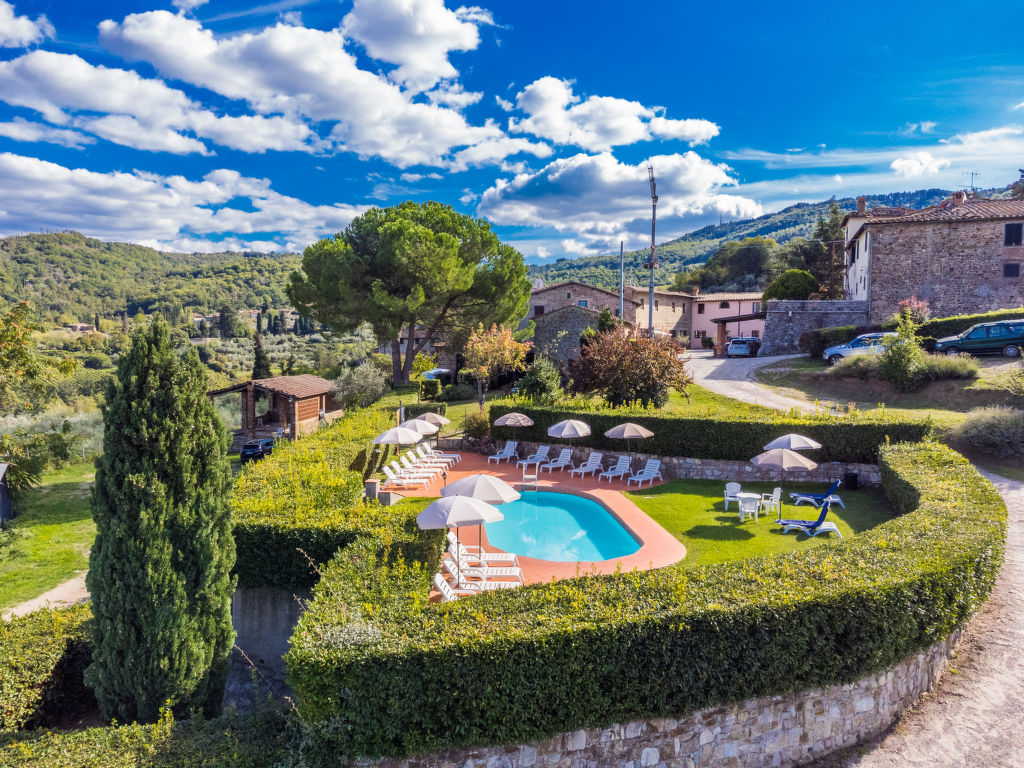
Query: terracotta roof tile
x,y
302,386
750,296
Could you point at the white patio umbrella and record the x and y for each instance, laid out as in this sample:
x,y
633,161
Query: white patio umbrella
x,y
434,418
782,459
456,511
398,436
568,429
629,432
419,426
487,488
794,443
514,420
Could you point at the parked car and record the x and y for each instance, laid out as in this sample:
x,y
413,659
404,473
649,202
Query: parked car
x,y
437,373
867,343
256,449
742,346
1000,338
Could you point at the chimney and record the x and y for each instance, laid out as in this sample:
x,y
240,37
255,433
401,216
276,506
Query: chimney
x,y
696,290
959,197
862,204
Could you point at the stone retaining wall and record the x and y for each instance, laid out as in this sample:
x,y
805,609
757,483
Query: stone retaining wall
x,y
778,731
785,321
678,467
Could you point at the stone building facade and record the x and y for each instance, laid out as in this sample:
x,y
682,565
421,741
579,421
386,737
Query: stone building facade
x,y
962,256
786,321
557,333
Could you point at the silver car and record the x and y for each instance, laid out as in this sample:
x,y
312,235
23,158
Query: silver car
x,y
865,344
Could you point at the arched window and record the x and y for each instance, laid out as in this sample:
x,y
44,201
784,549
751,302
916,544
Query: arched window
x,y
723,305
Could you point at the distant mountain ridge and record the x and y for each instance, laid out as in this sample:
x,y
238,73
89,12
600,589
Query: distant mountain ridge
x,y
68,275
695,247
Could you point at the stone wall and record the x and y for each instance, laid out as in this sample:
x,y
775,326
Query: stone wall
x,y
557,334
956,267
679,467
787,320
779,731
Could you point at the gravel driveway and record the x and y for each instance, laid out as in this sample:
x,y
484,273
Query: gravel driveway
x,y
734,377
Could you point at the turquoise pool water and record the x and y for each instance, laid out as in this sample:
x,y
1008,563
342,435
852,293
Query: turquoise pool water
x,y
561,527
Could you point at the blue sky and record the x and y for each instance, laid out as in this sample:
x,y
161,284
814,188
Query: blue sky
x,y
194,125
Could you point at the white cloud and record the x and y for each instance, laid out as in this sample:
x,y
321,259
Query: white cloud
x,y
492,151
417,35
412,178
292,17
21,129
301,72
452,95
505,104
600,122
163,211
597,200
135,111
918,164
188,5
917,129
21,31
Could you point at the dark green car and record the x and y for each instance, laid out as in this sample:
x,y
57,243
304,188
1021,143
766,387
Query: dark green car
x,y
1005,338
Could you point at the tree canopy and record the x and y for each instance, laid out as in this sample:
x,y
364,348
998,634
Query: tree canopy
x,y
408,267
795,284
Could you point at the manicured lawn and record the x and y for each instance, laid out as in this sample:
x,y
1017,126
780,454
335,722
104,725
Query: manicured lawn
x,y
704,402
694,512
55,532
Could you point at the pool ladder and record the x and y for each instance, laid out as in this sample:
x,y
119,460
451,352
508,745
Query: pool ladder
x,y
530,482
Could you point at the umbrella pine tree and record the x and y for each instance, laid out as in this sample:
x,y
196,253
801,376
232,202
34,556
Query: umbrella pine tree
x,y
159,571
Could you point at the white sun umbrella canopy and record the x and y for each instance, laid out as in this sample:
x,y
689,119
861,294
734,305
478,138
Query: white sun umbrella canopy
x,y
514,420
433,418
782,459
398,436
568,429
629,432
419,426
457,511
487,488
793,443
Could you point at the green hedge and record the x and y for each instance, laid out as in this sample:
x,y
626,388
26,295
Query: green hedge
x,y
412,410
42,658
304,502
430,389
951,326
256,740
847,437
386,673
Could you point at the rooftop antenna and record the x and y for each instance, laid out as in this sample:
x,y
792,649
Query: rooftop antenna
x,y
652,263
973,175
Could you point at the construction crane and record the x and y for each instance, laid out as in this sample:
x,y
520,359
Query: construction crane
x,y
652,263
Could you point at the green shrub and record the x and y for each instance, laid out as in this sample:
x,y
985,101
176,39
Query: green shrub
x,y
997,431
901,361
951,326
542,381
385,672
477,425
707,342
939,367
412,410
430,389
454,392
864,367
360,386
847,437
42,658
793,284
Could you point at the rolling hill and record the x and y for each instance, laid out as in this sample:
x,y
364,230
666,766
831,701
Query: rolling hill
x,y
695,247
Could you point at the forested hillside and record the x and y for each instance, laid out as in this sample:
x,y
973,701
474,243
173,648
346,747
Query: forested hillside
x,y
70,277
695,248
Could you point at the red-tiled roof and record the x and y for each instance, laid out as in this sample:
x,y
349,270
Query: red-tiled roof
x,y
575,282
749,296
302,386
981,209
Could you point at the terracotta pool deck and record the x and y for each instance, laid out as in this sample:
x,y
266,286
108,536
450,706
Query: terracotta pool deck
x,y
658,547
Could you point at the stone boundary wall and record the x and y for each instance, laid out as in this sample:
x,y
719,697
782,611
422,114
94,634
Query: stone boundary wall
x,y
682,468
778,731
785,321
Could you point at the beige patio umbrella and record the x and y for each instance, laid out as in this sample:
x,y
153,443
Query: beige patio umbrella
x,y
629,432
419,426
456,511
794,443
434,418
782,459
514,420
398,436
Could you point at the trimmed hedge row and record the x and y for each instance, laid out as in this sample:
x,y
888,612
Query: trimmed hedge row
x,y
384,672
42,658
412,410
295,509
848,437
950,326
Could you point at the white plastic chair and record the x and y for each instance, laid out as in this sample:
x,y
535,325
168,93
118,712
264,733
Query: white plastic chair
x,y
539,457
621,468
506,453
426,458
487,572
593,464
748,506
731,489
405,482
773,500
450,594
564,460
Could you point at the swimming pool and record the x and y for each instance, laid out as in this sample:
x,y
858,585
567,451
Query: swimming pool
x,y
561,527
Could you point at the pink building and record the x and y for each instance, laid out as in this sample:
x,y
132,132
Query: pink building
x,y
713,306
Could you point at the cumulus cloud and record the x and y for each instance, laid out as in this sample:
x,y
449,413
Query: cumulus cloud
x,y
417,35
21,129
135,111
307,73
20,31
600,122
188,5
491,151
595,200
164,211
918,164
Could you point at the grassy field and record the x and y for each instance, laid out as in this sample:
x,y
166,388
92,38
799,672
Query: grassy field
x,y
694,512
54,530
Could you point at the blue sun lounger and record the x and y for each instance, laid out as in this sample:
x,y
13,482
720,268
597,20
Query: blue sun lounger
x,y
812,527
817,499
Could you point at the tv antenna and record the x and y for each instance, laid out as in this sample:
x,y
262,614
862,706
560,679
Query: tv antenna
x,y
652,263
974,175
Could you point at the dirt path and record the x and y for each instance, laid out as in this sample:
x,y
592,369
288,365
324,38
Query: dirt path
x,y
735,378
974,718
71,592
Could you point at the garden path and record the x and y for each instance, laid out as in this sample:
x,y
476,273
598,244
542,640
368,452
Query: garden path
x,y
975,716
734,377
71,592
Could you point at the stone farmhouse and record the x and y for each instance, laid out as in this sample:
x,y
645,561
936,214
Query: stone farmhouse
x,y
686,316
961,256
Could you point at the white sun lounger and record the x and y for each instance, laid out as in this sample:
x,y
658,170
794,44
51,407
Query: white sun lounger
x,y
506,453
593,464
449,593
621,468
487,572
538,458
474,586
440,454
390,478
475,556
564,460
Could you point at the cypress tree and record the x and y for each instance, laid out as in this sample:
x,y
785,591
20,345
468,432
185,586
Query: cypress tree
x,y
261,364
159,571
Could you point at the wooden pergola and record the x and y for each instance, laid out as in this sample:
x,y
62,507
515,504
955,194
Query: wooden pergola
x,y
295,404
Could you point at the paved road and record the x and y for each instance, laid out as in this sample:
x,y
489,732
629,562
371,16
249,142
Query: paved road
x,y
735,378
